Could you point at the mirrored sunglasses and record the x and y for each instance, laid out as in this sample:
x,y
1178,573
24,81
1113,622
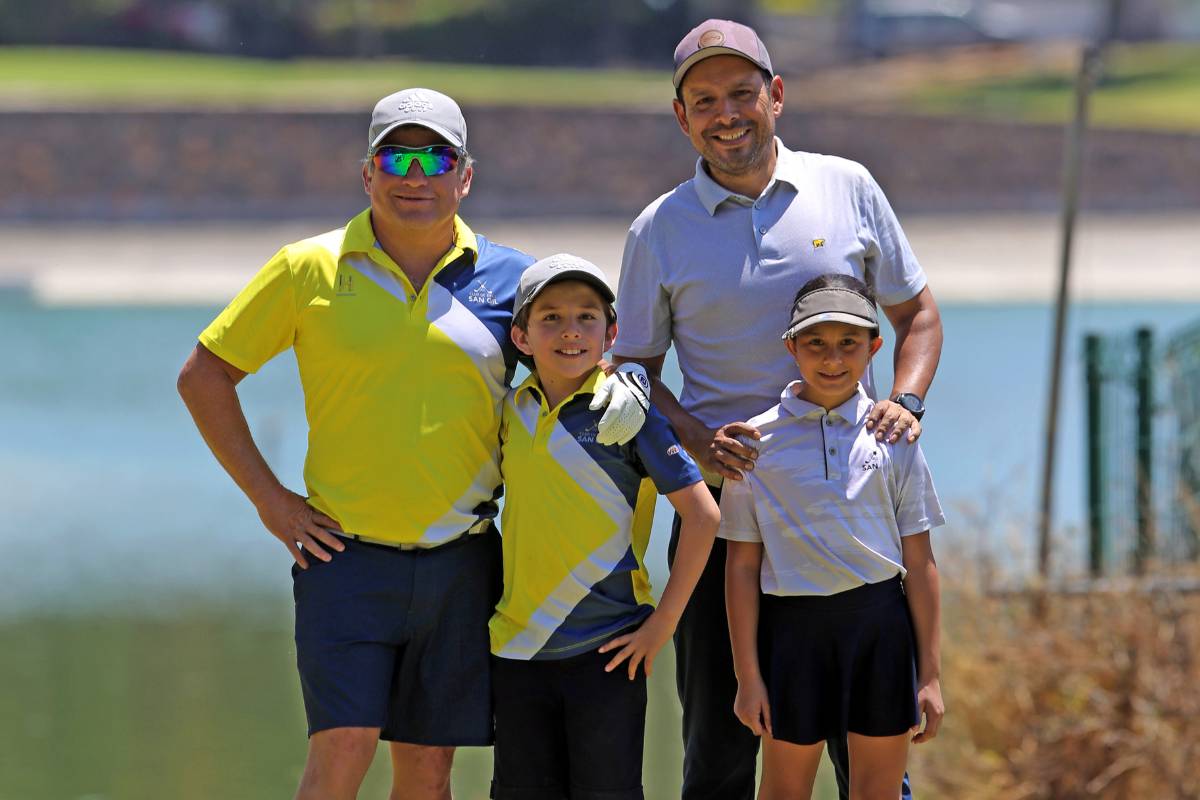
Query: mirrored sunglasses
x,y
437,159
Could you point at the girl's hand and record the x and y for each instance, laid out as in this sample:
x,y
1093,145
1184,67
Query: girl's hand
x,y
640,646
752,708
929,705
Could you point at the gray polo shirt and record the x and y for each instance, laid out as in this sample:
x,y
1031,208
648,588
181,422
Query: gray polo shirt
x,y
715,273
828,502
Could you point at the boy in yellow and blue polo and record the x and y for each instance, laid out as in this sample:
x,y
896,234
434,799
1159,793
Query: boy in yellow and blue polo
x,y
577,602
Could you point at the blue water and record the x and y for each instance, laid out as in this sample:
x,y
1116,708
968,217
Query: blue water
x,y
109,496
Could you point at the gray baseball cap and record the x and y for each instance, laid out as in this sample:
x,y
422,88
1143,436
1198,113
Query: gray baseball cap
x,y
424,107
831,305
715,37
559,267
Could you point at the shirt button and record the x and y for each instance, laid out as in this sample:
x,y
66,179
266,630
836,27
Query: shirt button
x,y
833,451
763,230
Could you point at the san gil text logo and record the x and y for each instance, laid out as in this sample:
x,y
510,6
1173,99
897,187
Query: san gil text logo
x,y
482,295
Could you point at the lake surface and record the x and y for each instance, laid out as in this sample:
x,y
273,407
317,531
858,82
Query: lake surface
x,y
144,613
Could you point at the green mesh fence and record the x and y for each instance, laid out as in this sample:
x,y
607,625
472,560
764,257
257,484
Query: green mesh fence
x,y
1143,449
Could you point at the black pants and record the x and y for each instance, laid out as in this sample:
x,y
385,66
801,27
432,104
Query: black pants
x,y
719,752
568,730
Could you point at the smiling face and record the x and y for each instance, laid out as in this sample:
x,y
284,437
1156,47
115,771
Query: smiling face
x,y
832,357
415,201
567,333
728,111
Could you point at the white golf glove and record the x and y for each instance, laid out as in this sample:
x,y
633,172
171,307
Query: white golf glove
x,y
626,393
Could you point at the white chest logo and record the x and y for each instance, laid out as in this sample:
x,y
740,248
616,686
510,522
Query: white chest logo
x,y
481,295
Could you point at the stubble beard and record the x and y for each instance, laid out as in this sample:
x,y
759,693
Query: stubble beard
x,y
752,160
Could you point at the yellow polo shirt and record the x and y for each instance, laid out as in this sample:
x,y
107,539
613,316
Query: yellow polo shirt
x,y
402,388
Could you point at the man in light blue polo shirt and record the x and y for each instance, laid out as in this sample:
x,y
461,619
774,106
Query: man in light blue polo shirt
x,y
711,267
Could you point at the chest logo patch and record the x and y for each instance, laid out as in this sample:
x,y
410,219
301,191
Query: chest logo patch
x,y
587,435
818,243
874,461
345,284
673,450
481,295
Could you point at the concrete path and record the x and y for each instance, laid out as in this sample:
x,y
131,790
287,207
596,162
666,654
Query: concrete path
x,y
969,258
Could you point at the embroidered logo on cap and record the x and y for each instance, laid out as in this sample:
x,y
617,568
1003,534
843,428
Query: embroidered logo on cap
x,y
415,103
710,39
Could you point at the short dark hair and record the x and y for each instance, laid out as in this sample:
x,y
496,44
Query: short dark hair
x,y
839,280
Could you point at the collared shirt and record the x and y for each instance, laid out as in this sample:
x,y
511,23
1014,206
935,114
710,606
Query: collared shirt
x,y
402,388
576,523
715,274
828,502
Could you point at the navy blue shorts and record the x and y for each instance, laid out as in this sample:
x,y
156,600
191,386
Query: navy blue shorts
x,y
398,640
567,729
840,664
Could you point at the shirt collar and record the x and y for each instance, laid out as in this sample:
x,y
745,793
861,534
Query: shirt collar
x,y
712,194
360,238
851,411
531,387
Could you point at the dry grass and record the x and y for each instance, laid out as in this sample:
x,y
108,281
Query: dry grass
x,y
1097,697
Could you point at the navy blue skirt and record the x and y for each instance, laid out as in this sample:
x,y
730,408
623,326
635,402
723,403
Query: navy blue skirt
x,y
844,663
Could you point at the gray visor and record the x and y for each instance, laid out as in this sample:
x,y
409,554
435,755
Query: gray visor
x,y
831,305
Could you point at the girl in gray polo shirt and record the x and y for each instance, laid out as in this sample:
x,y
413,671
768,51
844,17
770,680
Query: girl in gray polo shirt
x,y
833,526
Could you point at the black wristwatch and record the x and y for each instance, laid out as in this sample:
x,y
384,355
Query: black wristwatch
x,y
910,403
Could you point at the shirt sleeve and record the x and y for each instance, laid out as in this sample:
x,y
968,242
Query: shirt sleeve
x,y
260,322
896,273
739,523
643,307
917,505
662,457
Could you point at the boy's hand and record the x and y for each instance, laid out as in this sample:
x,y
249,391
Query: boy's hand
x,y
929,705
752,708
625,398
641,645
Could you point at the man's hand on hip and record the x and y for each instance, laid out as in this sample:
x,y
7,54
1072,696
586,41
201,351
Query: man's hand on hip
x,y
625,398
721,451
291,520
890,420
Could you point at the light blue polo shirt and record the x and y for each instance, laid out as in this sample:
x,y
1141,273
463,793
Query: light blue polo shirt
x,y
715,273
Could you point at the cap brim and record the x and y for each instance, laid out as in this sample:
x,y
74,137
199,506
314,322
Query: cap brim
x,y
438,129
708,52
829,316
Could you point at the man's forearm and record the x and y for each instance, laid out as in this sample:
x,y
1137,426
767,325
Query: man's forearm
x,y
210,395
918,326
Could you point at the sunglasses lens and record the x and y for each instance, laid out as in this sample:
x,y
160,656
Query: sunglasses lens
x,y
436,160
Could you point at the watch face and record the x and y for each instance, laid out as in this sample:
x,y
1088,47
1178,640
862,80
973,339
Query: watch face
x,y
911,403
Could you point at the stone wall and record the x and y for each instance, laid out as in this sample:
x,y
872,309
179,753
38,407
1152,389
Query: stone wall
x,y
156,165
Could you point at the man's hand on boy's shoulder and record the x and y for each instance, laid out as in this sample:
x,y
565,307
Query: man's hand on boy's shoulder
x,y
722,450
891,420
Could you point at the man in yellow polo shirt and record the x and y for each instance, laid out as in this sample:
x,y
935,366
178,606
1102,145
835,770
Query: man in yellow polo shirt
x,y
400,324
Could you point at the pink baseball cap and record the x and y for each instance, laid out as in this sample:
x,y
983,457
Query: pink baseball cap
x,y
715,37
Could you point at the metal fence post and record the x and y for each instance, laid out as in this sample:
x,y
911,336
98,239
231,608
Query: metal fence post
x,y
1144,382
1097,534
